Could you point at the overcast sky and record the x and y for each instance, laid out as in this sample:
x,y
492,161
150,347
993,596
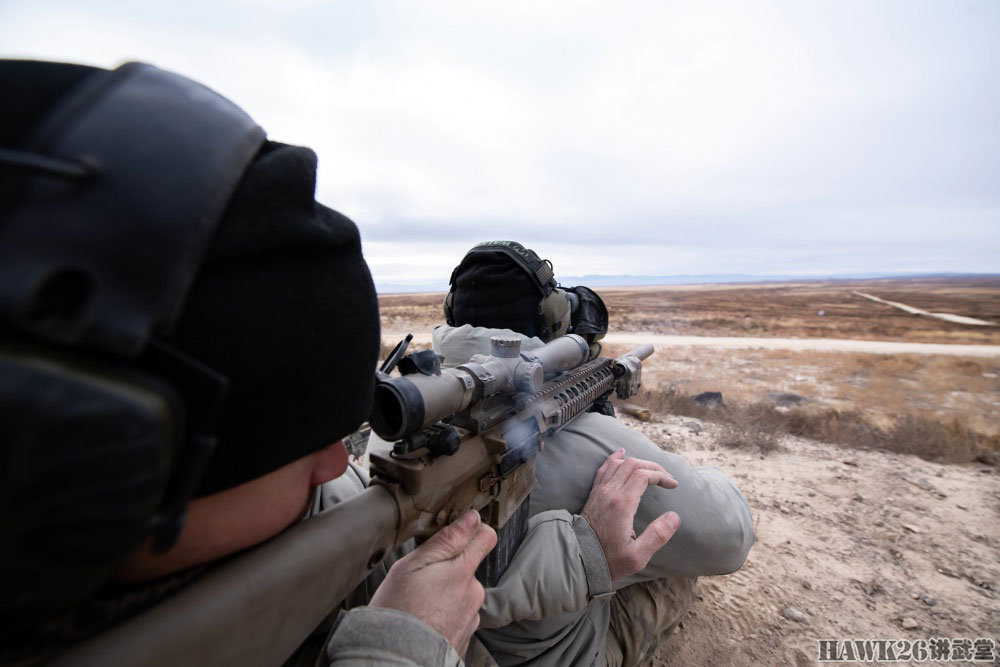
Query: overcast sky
x,y
648,138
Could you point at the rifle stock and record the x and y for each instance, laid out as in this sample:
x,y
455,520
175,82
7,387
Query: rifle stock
x,y
259,607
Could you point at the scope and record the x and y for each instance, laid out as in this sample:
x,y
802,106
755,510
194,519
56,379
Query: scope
x,y
404,405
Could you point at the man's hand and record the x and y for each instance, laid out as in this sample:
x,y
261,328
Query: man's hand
x,y
436,582
610,511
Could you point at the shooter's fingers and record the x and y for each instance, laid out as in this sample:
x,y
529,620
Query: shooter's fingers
x,y
640,479
451,541
657,534
481,544
631,468
611,463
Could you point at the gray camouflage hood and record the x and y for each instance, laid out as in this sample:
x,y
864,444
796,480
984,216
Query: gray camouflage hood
x,y
458,344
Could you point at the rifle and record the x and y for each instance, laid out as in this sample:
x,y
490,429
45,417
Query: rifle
x,y
455,439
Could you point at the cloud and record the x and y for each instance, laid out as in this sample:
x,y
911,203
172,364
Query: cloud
x,y
622,137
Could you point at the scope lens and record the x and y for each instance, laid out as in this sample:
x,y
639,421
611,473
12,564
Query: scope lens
x,y
387,412
397,408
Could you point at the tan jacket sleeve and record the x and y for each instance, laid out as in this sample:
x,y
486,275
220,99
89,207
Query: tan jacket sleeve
x,y
558,568
374,637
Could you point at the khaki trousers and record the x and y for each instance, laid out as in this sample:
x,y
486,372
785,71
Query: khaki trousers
x,y
643,616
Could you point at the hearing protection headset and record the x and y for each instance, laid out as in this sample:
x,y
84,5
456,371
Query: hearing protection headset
x,y
560,310
105,429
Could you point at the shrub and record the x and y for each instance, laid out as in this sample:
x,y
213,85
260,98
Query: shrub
x,y
758,424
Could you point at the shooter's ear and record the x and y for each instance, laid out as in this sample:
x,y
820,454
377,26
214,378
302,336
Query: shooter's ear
x,y
448,300
590,317
556,310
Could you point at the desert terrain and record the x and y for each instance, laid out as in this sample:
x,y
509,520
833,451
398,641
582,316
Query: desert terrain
x,y
865,439
771,310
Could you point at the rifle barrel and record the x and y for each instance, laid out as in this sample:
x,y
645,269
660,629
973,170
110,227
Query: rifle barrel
x,y
642,352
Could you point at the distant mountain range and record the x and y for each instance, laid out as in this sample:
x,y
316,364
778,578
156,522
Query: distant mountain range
x,y
625,280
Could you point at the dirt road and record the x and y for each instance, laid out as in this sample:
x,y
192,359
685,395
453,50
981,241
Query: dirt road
x,y
947,317
817,344
734,342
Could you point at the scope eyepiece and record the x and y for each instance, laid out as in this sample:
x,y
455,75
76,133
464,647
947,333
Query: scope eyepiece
x,y
397,408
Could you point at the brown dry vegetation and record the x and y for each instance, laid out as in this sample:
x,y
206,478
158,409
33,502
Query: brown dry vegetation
x,y
411,312
760,424
790,310
780,310
938,407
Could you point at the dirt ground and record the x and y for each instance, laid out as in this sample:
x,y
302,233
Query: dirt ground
x,y
818,309
854,541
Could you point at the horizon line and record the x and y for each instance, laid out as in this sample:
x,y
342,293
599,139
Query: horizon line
x,y
682,279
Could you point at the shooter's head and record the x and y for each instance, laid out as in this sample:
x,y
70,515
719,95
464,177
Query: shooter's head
x,y
178,317
503,285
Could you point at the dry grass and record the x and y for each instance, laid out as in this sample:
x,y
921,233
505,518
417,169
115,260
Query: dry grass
x,y
752,425
785,310
791,310
942,388
760,424
410,312
936,407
